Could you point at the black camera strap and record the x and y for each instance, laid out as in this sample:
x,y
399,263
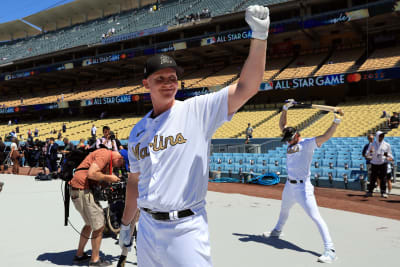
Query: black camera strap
x,y
81,169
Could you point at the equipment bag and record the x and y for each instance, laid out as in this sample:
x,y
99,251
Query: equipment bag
x,y
71,162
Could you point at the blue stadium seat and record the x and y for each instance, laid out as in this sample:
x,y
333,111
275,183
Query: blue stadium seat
x,y
225,159
315,171
262,168
355,164
272,160
340,173
325,162
226,167
342,162
236,159
212,166
274,169
326,171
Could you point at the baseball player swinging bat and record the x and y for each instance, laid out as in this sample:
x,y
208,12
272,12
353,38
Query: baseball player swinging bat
x,y
320,107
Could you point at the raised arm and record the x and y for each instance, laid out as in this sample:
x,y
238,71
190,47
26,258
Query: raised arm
x,y
328,134
252,72
285,108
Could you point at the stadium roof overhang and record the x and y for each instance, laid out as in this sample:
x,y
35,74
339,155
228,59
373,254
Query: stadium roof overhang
x,y
16,29
80,11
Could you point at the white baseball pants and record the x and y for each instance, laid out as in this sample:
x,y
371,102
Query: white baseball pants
x,y
303,193
184,242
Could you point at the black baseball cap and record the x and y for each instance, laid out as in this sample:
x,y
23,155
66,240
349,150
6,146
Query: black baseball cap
x,y
288,134
158,62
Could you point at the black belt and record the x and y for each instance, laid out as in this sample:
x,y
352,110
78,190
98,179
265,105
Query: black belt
x,y
169,216
295,181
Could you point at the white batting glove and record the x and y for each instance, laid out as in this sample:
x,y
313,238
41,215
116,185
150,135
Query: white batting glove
x,y
338,118
258,19
289,104
125,240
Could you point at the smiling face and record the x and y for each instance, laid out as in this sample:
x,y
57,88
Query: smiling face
x,y
162,85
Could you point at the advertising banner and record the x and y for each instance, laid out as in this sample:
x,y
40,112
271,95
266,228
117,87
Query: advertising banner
x,y
226,37
6,110
326,80
375,75
109,100
107,58
336,18
180,46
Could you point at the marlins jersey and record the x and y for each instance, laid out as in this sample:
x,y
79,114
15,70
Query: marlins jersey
x,y
299,158
171,152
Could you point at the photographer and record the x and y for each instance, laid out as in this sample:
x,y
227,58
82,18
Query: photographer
x,y
119,145
95,168
34,152
107,141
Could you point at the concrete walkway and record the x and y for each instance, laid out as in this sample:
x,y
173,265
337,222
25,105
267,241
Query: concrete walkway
x,y
32,231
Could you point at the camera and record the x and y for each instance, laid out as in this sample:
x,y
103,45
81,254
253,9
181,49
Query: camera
x,y
112,135
110,193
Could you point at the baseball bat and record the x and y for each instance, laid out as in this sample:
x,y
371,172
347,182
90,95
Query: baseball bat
x,y
320,107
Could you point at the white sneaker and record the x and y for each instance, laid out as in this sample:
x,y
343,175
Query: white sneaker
x,y
329,256
273,233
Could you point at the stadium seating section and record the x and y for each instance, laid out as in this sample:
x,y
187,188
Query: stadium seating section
x,y
361,117
303,66
341,62
382,59
76,129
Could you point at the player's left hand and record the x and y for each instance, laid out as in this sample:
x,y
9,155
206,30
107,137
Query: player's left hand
x,y
258,19
289,104
338,118
125,240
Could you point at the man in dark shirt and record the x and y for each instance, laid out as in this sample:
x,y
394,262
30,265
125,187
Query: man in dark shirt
x,y
394,121
368,157
51,155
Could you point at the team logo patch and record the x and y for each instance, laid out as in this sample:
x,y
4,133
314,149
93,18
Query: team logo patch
x,y
165,60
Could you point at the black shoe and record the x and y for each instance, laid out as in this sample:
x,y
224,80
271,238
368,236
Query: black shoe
x,y
121,262
100,262
83,258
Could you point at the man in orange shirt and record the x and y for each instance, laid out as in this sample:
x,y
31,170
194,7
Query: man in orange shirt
x,y
96,167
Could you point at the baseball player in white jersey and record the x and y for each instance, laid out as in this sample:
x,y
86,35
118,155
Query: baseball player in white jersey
x,y
168,156
298,187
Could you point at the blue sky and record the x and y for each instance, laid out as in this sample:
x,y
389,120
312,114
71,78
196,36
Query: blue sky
x,y
17,9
